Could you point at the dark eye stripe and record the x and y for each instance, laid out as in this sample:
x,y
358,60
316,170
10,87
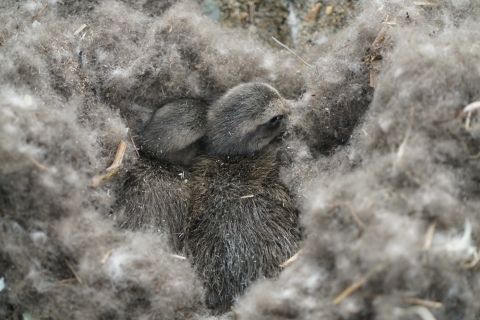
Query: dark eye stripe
x,y
275,120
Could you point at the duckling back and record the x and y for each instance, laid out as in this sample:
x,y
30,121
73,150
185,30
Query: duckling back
x,y
242,226
155,195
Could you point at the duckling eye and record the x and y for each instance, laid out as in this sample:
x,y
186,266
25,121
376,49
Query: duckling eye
x,y
275,120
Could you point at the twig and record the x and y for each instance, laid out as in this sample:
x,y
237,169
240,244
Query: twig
x,y
473,263
381,35
122,146
413,178
74,272
429,236
312,15
373,78
328,10
247,196
468,110
38,164
401,148
421,311
97,180
4,34
106,256
355,286
475,156
178,257
79,29
296,55
472,106
422,302
114,167
425,3
355,216
291,260
67,280
467,121
375,55
38,13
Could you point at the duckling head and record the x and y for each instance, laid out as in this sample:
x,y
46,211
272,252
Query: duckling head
x,y
246,119
174,132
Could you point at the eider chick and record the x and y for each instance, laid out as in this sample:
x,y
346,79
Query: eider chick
x,y
243,223
155,194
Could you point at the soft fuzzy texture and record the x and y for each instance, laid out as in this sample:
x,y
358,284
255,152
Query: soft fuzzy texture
x,y
245,120
242,225
409,167
155,196
372,170
174,133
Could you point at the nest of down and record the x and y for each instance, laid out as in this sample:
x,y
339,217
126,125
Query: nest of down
x,y
384,148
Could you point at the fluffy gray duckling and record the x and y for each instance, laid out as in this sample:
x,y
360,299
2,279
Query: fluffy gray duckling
x,y
243,223
155,194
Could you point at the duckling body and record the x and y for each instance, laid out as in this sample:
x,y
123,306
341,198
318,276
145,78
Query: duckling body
x,y
242,223
155,195
242,226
